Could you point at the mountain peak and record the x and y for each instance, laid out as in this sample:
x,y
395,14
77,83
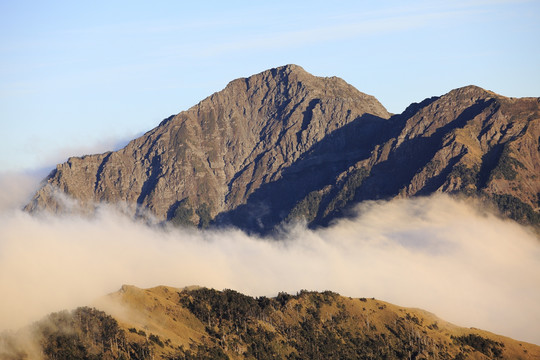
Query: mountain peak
x,y
286,70
211,158
290,68
473,91
283,75
293,80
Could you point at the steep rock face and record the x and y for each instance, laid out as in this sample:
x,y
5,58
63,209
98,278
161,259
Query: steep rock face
x,y
469,141
212,157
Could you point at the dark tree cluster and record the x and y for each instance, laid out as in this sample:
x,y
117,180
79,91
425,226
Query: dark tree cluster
x,y
298,327
82,334
488,347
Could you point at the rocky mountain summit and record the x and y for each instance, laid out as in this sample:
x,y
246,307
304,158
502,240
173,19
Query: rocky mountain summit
x,y
285,145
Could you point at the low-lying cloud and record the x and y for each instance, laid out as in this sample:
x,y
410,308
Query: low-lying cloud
x,y
436,253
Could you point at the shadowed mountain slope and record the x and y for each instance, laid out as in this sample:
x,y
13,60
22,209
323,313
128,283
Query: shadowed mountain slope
x,y
470,142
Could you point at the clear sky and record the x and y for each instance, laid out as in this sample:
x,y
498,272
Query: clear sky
x,y
82,77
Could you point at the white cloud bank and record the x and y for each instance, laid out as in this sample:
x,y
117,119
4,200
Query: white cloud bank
x,y
435,253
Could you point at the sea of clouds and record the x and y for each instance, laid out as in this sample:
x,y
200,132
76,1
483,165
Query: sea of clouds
x,y
441,254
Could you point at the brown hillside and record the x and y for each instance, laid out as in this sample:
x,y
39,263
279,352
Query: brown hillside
x,y
200,323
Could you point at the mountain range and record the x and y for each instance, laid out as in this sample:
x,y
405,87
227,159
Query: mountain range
x,y
284,145
279,147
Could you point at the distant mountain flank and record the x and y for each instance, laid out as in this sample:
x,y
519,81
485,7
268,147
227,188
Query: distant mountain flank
x,y
201,323
284,145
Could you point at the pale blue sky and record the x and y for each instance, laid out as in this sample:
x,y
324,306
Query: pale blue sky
x,y
80,77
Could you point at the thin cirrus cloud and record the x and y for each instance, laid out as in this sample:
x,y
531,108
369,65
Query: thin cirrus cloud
x,y
297,33
305,36
437,253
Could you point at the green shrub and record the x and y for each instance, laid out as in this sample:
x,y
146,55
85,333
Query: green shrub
x,y
486,346
347,192
506,166
517,209
204,215
155,339
468,175
306,208
183,214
